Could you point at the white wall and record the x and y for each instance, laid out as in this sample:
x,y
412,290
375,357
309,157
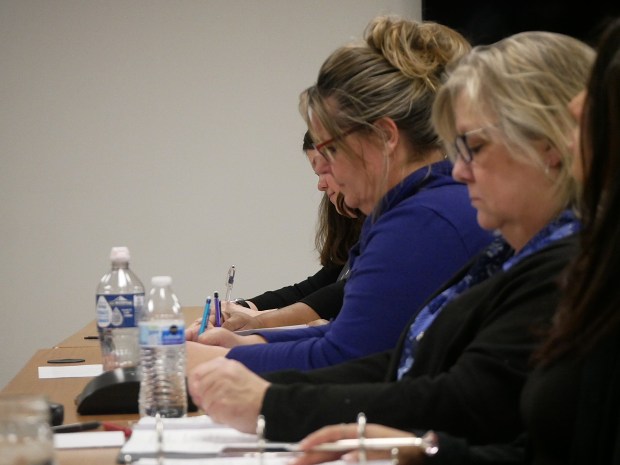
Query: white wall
x,y
169,126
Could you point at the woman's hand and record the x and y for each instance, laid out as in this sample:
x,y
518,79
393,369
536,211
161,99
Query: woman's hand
x,y
234,317
224,338
228,392
191,332
240,321
229,308
407,456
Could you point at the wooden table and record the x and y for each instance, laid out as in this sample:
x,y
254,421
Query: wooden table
x,y
65,390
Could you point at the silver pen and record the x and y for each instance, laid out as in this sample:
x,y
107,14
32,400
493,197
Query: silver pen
x,y
229,282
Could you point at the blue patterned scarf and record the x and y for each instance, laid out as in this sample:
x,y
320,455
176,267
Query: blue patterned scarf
x,y
498,255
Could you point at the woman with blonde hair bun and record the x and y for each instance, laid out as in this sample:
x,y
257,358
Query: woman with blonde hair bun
x,y
369,115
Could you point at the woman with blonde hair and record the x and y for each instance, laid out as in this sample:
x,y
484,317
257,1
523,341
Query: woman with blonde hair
x,y
506,107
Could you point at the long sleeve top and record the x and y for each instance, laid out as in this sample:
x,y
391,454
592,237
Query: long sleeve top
x,y
571,413
321,292
470,366
425,231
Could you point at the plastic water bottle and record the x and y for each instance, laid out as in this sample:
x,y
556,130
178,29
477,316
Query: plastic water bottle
x,y
120,298
162,353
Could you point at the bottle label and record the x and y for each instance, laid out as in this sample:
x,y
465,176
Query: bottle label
x,y
119,310
162,333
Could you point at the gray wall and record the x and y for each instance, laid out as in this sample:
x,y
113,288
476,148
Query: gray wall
x,y
167,126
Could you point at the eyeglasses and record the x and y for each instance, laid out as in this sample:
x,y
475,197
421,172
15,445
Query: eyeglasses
x,y
325,149
462,147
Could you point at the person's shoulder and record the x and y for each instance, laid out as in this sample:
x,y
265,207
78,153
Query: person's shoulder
x,y
545,265
447,200
558,253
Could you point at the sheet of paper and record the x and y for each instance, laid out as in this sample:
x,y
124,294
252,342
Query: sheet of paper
x,y
185,441
89,439
245,332
195,422
268,459
71,371
248,460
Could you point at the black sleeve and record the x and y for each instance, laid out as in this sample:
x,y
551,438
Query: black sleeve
x,y
477,397
327,301
370,368
290,294
457,451
469,371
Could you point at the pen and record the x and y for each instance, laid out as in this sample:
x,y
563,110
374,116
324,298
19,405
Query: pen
x,y
218,309
229,282
75,427
205,316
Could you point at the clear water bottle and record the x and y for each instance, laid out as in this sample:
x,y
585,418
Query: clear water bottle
x,y
120,298
162,353
25,434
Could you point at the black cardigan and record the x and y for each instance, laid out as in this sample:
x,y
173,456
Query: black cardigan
x,y
470,365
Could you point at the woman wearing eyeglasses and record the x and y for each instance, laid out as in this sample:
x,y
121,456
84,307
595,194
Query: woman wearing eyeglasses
x,y
463,359
375,100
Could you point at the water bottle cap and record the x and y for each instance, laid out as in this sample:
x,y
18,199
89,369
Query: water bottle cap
x,y
161,281
119,255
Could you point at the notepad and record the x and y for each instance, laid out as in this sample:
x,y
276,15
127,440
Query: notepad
x,y
90,439
179,442
71,371
197,436
199,439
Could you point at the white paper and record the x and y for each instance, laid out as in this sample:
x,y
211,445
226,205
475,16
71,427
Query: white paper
x,y
89,439
71,371
245,332
185,441
195,422
267,459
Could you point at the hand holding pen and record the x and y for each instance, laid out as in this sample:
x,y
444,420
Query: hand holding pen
x,y
217,303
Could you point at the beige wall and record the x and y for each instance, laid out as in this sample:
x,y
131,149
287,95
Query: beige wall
x,y
169,126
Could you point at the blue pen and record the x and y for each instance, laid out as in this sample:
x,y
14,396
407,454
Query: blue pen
x,y
205,316
218,309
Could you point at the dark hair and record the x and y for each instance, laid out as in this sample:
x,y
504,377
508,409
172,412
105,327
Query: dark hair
x,y
590,308
308,143
336,233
